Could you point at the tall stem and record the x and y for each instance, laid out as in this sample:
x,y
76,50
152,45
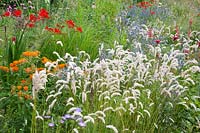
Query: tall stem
x,y
33,122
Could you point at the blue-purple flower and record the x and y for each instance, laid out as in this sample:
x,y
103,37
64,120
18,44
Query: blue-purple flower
x,y
78,110
67,116
51,124
81,123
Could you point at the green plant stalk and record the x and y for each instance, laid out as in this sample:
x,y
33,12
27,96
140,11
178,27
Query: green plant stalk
x,y
33,121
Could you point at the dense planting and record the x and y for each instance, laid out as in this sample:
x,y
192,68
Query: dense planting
x,y
98,66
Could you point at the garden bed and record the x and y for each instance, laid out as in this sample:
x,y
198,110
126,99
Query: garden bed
x,y
99,66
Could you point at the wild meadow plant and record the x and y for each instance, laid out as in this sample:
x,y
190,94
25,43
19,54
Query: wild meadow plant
x,y
141,92
140,28
148,85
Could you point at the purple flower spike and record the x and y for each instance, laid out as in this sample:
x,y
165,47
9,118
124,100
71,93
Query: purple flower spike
x,y
51,124
82,124
67,116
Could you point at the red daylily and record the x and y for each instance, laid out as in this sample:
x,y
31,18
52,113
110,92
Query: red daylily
x,y
57,31
144,4
30,25
43,13
49,29
6,14
70,23
17,13
32,18
79,29
54,30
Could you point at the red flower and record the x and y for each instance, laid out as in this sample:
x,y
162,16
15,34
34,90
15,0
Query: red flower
x,y
54,30
157,41
131,6
43,13
17,13
70,23
32,18
175,37
186,51
144,4
30,25
49,29
198,43
79,29
57,31
150,33
152,12
13,39
46,28
6,14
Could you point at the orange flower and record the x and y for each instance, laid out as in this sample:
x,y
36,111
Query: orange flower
x,y
40,69
31,53
27,96
15,62
28,70
22,60
25,88
19,87
12,64
3,68
19,94
45,60
61,66
15,69
23,81
31,76
27,53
